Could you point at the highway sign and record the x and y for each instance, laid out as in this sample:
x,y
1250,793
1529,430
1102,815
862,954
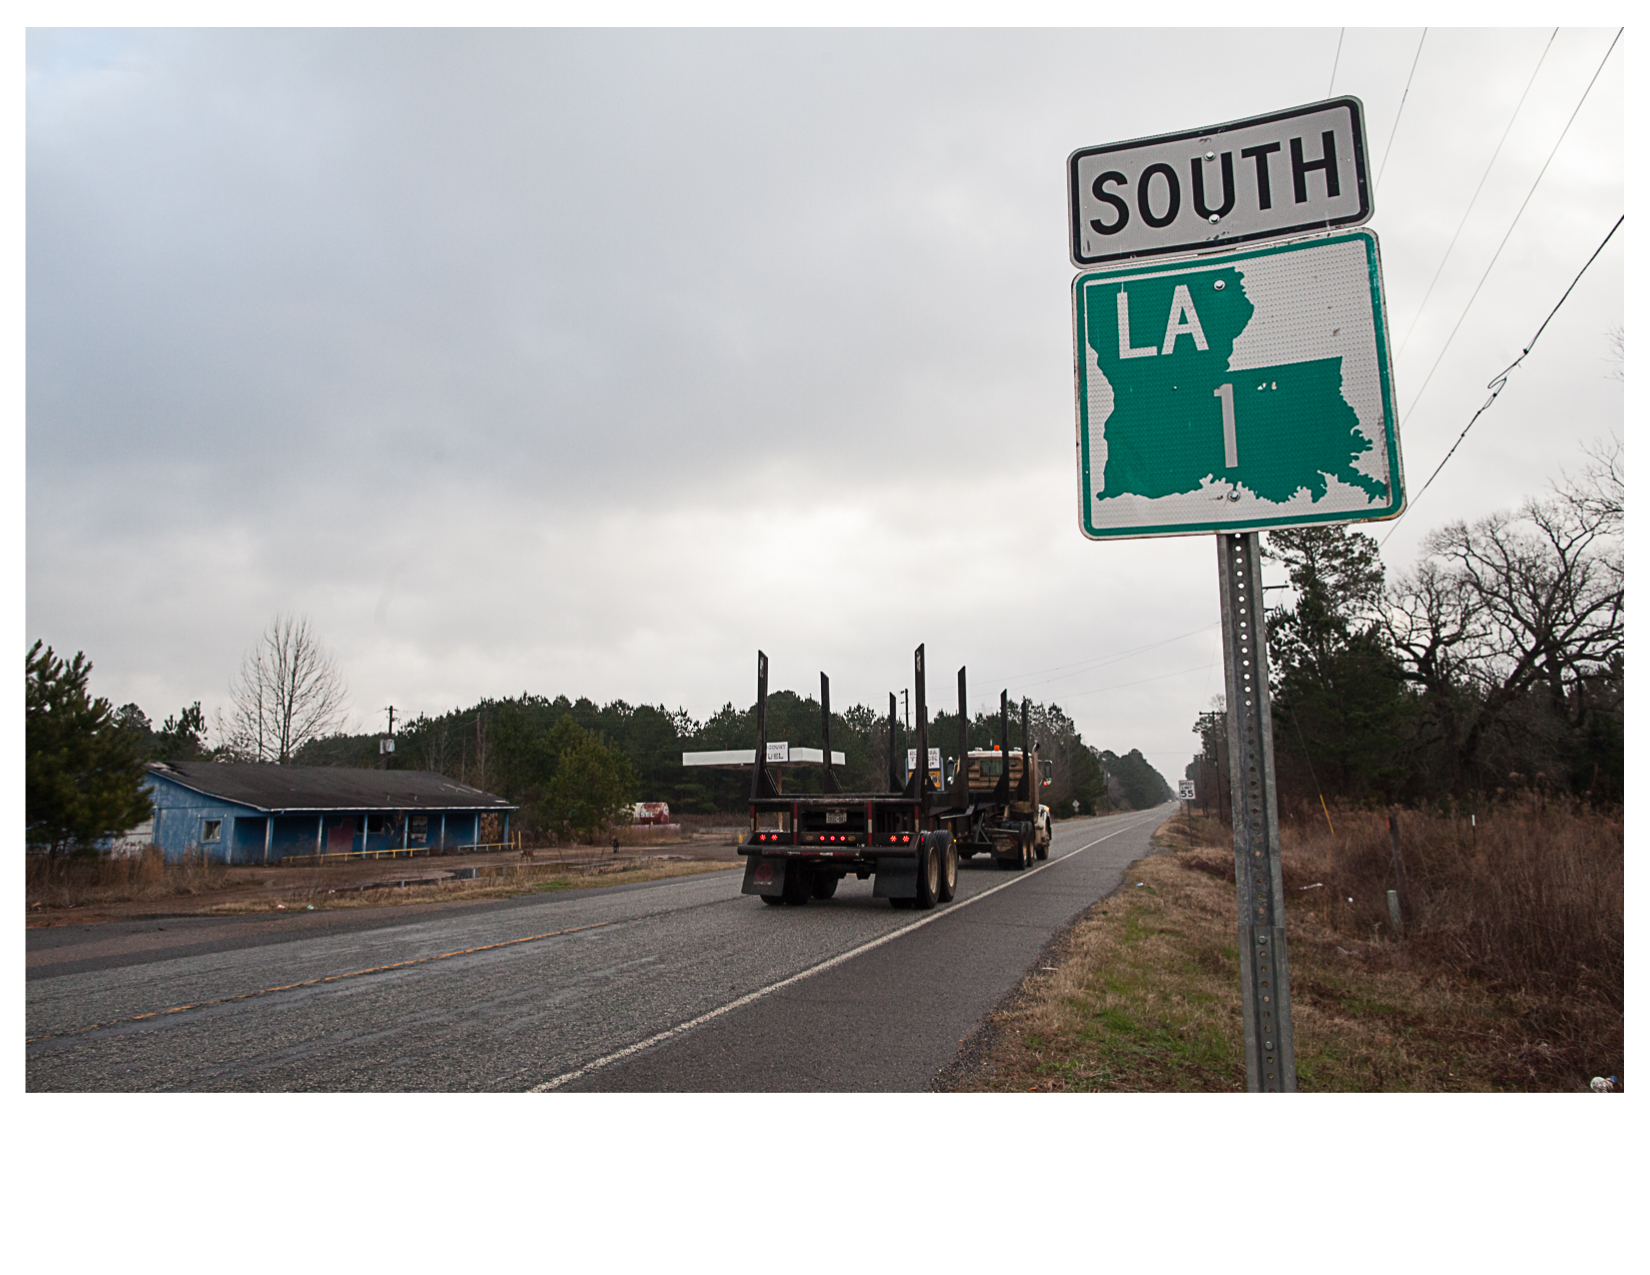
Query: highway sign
x,y
1237,391
1188,790
1289,173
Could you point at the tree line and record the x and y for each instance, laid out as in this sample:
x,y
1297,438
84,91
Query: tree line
x,y
1495,663
571,766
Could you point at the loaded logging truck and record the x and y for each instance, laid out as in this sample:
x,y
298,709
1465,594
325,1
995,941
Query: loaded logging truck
x,y
908,837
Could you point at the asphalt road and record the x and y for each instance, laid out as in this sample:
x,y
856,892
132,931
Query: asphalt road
x,y
675,985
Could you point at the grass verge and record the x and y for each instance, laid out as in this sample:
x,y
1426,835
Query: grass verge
x,y
1142,992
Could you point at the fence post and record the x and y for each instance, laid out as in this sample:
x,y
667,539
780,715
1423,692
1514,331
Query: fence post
x,y
1397,857
1393,912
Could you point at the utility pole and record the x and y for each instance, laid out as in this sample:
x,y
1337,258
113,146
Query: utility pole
x,y
386,746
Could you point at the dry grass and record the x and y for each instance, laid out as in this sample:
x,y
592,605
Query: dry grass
x,y
78,881
1481,996
1532,898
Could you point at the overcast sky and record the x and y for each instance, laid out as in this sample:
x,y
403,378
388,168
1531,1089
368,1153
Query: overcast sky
x,y
587,362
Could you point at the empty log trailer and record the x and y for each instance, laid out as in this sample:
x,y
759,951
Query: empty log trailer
x,y
908,838
996,805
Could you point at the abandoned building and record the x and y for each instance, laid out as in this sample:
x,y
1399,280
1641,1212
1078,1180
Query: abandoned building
x,y
261,813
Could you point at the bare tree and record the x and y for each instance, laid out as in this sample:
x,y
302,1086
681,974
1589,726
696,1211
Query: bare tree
x,y
1601,490
1515,604
288,692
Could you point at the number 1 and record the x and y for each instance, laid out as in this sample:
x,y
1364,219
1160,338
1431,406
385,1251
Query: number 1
x,y
1228,420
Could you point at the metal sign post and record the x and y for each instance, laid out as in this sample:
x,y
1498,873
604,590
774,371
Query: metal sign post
x,y
1263,951
1230,383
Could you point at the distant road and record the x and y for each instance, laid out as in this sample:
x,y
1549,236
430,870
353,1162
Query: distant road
x,y
683,984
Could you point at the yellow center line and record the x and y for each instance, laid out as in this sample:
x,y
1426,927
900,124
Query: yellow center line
x,y
330,978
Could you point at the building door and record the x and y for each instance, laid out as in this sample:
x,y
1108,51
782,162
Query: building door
x,y
248,843
341,836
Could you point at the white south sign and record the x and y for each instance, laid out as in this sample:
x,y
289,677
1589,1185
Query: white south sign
x,y
1268,177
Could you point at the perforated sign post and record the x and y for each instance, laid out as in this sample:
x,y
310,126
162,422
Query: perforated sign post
x,y
1227,393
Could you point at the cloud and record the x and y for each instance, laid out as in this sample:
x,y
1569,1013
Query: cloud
x,y
587,361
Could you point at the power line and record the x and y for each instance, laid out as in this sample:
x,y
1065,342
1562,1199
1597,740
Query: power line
x,y
1499,383
1400,115
1100,660
1474,200
1337,66
1516,216
1117,686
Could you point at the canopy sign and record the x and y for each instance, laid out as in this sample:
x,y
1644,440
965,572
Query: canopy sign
x,y
1237,391
1289,173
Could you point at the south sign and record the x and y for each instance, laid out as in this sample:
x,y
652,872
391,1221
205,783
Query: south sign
x,y
1269,177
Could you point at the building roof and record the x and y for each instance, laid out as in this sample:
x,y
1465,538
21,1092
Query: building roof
x,y
269,787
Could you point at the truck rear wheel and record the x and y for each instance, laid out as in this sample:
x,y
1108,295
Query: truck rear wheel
x,y
798,884
928,871
948,868
825,884
772,900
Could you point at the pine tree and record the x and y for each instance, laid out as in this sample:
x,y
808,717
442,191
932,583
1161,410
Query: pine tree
x,y
84,770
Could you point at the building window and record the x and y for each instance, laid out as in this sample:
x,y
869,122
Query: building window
x,y
211,830
375,824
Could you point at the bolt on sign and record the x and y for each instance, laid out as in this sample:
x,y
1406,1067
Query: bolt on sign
x,y
1236,391
1290,173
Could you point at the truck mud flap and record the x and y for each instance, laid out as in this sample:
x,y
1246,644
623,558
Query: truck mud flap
x,y
767,876
896,879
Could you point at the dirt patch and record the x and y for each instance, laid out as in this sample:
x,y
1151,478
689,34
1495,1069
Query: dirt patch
x,y
379,883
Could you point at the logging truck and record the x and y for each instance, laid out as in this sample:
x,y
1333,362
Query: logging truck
x,y
908,837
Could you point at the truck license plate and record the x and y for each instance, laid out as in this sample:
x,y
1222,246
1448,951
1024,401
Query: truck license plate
x,y
836,816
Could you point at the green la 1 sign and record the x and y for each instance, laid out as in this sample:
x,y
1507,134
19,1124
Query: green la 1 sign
x,y
1236,392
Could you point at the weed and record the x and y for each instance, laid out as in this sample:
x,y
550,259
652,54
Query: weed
x,y
77,880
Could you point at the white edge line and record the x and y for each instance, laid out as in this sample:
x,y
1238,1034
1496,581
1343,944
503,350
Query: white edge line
x,y
661,1037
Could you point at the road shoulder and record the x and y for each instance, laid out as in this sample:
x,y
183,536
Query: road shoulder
x,y
979,1061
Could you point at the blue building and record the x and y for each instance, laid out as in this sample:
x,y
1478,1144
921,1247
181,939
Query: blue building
x,y
260,813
